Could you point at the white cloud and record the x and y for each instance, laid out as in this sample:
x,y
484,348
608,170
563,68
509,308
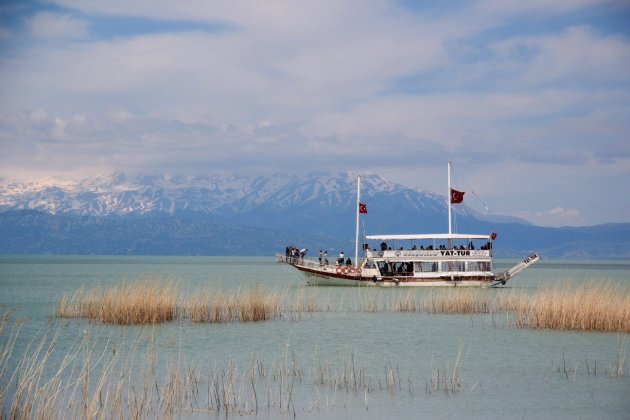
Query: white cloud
x,y
320,85
556,217
47,25
577,55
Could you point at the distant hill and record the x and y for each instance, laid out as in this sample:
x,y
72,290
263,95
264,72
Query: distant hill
x,y
35,232
237,215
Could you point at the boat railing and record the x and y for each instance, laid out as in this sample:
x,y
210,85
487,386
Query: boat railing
x,y
305,262
431,253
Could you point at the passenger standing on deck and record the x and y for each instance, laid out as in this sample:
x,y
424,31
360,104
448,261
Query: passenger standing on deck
x,y
325,257
341,258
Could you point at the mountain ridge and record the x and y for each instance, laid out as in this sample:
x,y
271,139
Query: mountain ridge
x,y
316,209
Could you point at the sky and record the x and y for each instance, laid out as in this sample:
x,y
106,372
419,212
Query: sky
x,y
530,100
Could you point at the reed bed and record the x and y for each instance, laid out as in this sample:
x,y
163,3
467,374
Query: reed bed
x,y
467,301
142,302
596,306
146,302
590,307
101,377
242,306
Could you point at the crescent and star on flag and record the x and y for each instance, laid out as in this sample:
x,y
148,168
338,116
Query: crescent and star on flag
x,y
362,208
457,196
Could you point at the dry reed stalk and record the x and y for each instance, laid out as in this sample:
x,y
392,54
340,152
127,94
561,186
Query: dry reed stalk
x,y
198,307
242,306
596,306
302,304
97,379
592,307
367,299
147,302
256,306
466,301
143,302
512,301
7,345
407,303
621,356
217,310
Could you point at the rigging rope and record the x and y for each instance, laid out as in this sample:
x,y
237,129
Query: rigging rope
x,y
489,212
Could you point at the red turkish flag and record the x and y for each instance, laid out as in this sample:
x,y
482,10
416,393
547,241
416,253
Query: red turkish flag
x,y
362,208
456,196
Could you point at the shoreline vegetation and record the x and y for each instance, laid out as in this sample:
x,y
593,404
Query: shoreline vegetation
x,y
105,375
596,306
101,376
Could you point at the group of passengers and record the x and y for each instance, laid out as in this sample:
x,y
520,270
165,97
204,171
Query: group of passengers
x,y
323,257
392,268
470,246
341,260
295,252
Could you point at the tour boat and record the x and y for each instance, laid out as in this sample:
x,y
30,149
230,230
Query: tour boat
x,y
442,259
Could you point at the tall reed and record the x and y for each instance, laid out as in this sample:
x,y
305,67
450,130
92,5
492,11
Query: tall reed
x,y
597,306
142,302
242,306
146,302
99,377
458,301
591,307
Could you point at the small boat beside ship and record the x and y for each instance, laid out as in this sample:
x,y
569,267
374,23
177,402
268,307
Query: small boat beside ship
x,y
442,259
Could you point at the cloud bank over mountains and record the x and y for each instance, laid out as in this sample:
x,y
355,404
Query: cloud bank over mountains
x,y
531,100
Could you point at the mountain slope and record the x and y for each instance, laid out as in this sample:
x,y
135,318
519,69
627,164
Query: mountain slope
x,y
237,215
318,203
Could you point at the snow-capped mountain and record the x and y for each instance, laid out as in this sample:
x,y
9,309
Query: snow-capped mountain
x,y
120,194
317,203
240,215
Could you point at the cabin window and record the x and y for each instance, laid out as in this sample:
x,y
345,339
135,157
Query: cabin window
x,y
384,268
404,268
454,266
425,267
479,266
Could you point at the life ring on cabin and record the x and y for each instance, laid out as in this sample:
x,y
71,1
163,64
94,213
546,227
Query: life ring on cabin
x,y
339,270
344,270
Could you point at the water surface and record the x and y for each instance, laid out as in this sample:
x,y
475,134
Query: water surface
x,y
504,372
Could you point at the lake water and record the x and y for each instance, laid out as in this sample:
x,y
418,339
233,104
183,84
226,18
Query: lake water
x,y
346,362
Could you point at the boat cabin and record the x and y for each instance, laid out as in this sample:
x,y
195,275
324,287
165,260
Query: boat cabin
x,y
429,256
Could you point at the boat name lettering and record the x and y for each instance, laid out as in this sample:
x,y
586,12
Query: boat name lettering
x,y
531,257
455,252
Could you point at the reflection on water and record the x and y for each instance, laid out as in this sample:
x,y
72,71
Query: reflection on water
x,y
503,372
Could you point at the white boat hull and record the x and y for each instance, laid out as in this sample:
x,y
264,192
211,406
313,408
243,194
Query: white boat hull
x,y
343,276
333,281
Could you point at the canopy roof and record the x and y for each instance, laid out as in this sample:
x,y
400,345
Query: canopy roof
x,y
427,236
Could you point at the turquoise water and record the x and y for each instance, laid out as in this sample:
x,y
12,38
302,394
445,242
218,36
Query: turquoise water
x,y
504,372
